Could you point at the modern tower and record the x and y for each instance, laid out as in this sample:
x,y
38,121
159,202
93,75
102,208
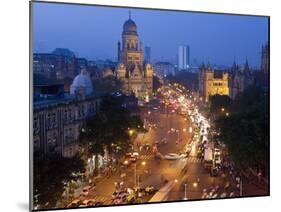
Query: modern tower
x,y
183,58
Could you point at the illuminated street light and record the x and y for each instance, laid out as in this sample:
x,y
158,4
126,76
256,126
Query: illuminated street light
x,y
143,163
222,109
131,132
176,181
195,184
227,114
149,112
126,162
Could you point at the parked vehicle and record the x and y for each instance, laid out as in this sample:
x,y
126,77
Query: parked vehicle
x,y
74,204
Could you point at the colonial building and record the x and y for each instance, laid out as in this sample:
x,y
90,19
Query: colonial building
x,y
212,82
135,75
58,117
239,79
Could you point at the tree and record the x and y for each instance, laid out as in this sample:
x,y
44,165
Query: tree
x,y
219,103
110,129
156,83
50,176
109,84
246,130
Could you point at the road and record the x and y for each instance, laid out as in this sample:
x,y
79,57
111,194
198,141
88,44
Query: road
x,y
164,125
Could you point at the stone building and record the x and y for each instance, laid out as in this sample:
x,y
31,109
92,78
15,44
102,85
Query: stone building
x,y
135,75
239,79
58,117
212,82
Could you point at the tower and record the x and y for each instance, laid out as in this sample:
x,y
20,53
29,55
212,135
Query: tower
x,y
135,75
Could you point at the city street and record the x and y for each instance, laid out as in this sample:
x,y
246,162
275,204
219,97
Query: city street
x,y
168,132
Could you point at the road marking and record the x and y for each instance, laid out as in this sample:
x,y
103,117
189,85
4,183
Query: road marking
x,y
194,160
145,157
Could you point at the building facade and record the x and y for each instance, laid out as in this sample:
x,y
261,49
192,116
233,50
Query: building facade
x,y
131,70
59,64
164,68
58,117
212,82
183,58
239,79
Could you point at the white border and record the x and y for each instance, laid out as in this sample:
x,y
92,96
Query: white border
x,y
14,113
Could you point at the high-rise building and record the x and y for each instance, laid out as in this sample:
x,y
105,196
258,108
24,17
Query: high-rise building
x,y
135,75
147,54
183,58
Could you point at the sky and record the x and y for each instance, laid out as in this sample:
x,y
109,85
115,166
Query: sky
x,y
93,32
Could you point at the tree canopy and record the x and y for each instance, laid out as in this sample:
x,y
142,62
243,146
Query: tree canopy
x,y
110,128
50,176
246,130
109,84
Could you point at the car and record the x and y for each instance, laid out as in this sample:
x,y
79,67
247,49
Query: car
x,y
147,147
74,204
135,154
85,191
88,202
172,156
183,155
131,198
149,189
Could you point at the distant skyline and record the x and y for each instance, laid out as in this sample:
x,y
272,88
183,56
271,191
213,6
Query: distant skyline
x,y
93,32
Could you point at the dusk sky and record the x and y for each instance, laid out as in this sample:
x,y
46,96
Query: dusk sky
x,y
93,32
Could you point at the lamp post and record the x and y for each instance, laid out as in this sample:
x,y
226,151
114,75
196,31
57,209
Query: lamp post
x,y
143,163
185,191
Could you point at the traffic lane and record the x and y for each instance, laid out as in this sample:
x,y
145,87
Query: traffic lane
x,y
161,132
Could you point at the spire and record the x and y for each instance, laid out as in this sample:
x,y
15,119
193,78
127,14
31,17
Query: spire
x,y
209,65
129,14
246,67
202,66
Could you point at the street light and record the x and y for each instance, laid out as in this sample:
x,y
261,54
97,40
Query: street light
x,y
222,109
185,191
227,114
126,162
195,184
143,163
131,132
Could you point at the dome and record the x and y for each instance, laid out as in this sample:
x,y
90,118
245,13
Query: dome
x,y
82,82
130,27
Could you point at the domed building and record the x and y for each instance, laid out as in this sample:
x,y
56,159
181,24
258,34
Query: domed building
x,y
135,75
82,84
